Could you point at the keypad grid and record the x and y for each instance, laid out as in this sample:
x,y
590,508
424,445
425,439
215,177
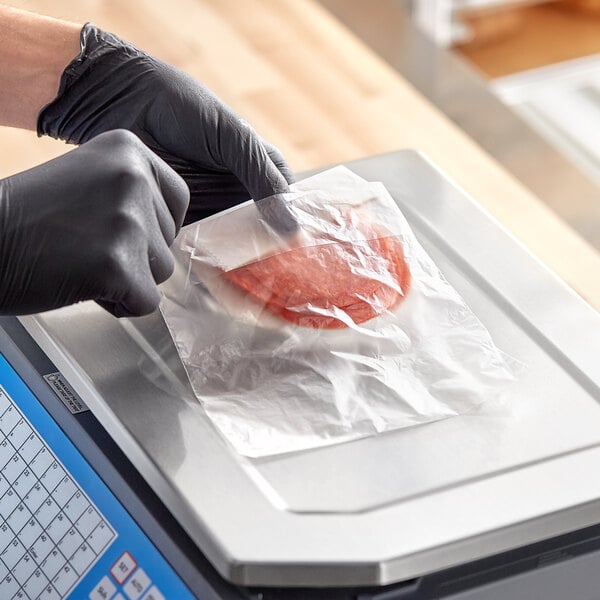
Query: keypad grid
x,y
51,533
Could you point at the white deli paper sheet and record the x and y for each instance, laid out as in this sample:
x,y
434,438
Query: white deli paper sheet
x,y
272,386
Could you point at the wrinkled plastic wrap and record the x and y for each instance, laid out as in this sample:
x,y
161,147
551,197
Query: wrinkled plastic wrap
x,y
345,330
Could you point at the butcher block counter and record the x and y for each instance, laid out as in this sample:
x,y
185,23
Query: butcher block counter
x,y
315,90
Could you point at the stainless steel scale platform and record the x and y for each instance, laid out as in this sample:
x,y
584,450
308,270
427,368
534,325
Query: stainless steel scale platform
x,y
386,508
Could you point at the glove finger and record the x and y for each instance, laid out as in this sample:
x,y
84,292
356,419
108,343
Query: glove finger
x,y
279,161
174,194
211,193
161,261
109,306
138,295
246,157
276,213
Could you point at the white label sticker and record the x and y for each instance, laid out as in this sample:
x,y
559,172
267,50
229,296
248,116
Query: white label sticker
x,y
64,391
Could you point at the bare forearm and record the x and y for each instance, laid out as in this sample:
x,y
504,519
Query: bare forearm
x,y
34,51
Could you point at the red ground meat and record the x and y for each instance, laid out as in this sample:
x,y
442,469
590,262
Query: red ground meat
x,y
363,278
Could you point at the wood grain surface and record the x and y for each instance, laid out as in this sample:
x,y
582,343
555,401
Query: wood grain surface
x,y
509,40
317,92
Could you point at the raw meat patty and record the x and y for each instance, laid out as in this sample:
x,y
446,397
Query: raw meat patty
x,y
362,278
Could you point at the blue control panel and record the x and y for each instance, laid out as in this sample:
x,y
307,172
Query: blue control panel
x,y
63,533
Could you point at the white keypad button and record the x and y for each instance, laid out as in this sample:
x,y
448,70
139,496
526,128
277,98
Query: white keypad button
x,y
70,542
30,447
12,554
123,568
13,468
35,497
4,486
34,586
9,586
87,522
43,459
49,593
23,570
52,564
64,579
53,476
3,570
6,452
6,536
4,402
19,434
24,482
75,506
9,502
82,558
137,585
10,417
18,518
64,491
46,512
100,537
104,589
58,527
30,533
41,547
153,594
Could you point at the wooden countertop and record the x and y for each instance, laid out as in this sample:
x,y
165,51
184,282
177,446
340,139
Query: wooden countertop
x,y
312,88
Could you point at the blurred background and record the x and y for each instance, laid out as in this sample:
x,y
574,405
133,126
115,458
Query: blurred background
x,y
522,77
503,95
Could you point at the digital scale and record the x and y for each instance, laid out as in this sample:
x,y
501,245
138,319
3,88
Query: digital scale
x,y
64,533
115,485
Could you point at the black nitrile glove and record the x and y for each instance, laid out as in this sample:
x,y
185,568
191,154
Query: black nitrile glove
x,y
93,224
112,84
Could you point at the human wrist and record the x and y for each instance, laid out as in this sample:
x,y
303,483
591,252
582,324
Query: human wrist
x,y
34,51
90,88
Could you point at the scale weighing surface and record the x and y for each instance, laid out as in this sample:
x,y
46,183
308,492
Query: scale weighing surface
x,y
385,509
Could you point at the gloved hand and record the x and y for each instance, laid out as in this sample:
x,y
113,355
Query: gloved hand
x,y
112,84
95,223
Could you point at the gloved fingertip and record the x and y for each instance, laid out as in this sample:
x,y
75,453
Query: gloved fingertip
x,y
287,173
279,161
277,215
135,306
110,307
